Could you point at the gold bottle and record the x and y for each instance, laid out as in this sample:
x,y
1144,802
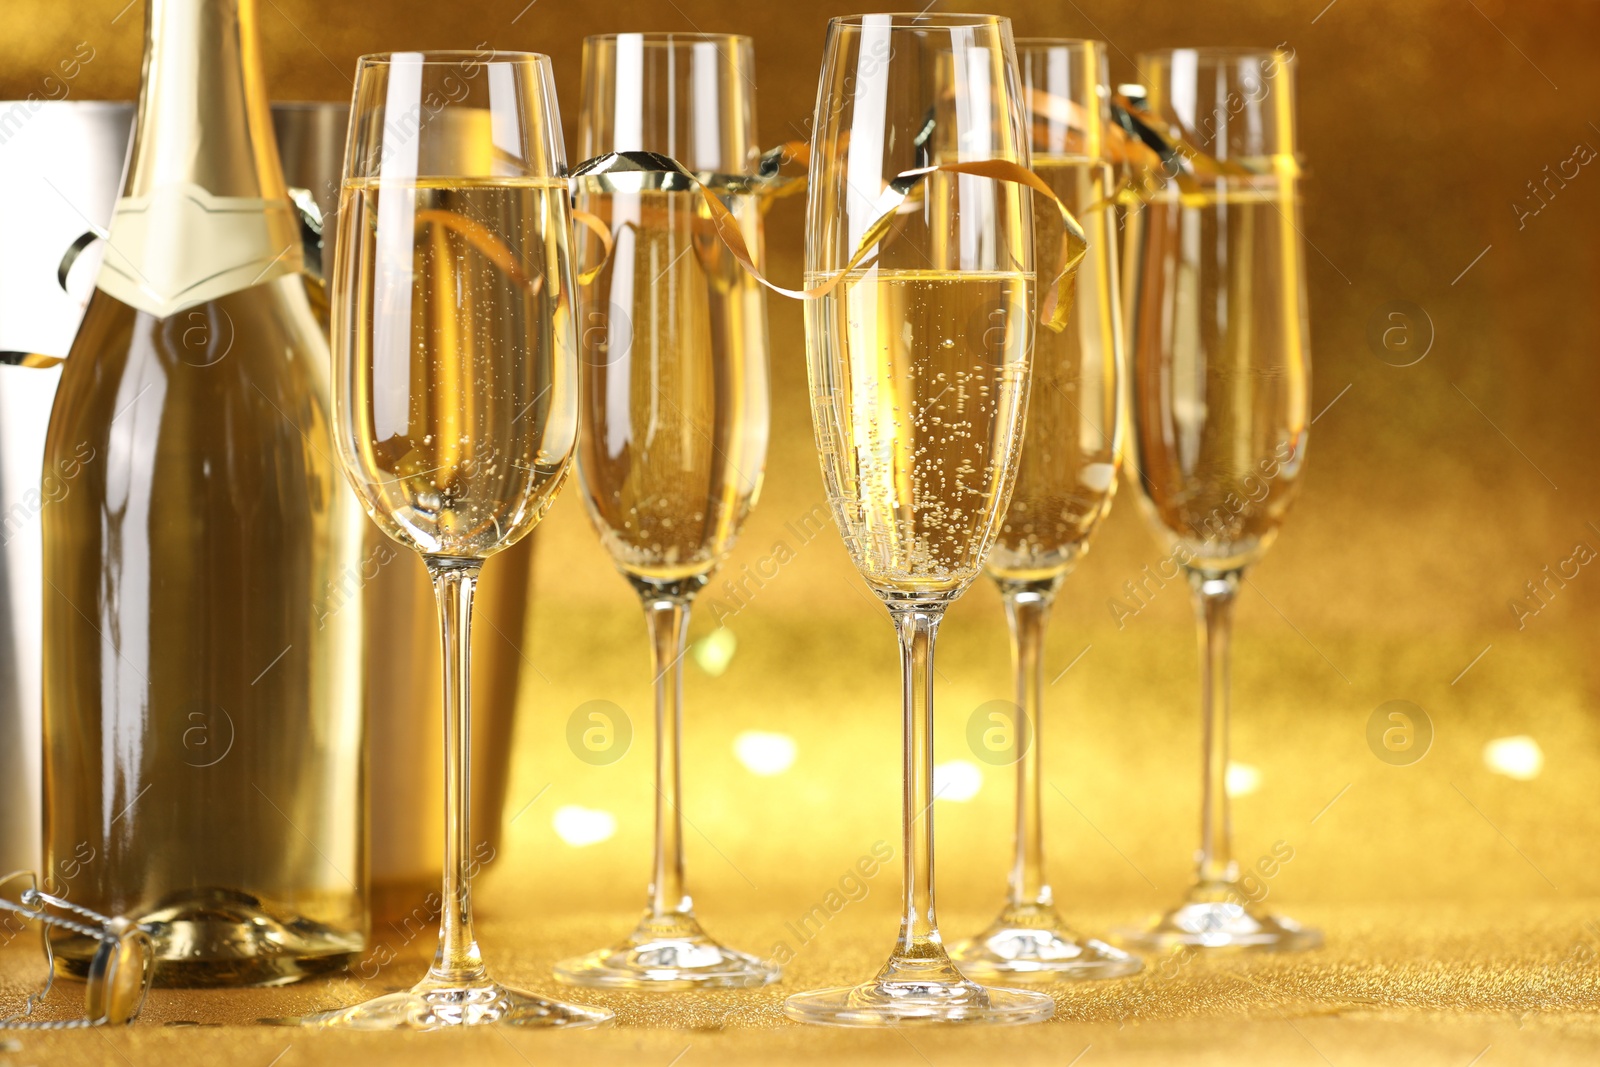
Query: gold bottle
x,y
202,703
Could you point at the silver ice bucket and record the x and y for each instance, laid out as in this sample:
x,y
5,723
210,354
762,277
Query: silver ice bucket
x,y
60,171
61,165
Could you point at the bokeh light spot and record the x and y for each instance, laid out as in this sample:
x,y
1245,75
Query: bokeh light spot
x,y
714,651
765,753
1518,757
579,826
1243,779
957,780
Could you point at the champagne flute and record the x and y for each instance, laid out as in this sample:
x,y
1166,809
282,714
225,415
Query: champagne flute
x,y
1065,481
918,362
1221,388
673,437
455,397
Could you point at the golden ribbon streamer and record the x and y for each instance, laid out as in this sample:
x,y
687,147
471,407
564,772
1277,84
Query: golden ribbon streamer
x,y
777,185
1149,144
596,226
1054,308
495,250
484,240
30,359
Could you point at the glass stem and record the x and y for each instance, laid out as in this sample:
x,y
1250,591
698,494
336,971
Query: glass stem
x,y
1213,600
667,618
1028,612
919,946
457,959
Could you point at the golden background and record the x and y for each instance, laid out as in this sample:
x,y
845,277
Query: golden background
x,y
1433,493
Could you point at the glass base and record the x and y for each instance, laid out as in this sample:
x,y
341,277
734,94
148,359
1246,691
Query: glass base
x,y
1217,916
1032,941
439,1005
222,937
894,1003
668,953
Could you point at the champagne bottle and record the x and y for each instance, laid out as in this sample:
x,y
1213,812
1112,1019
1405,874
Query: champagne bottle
x,y
202,706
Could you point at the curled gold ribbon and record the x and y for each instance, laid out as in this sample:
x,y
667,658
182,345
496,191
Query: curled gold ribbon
x,y
596,226
1150,145
495,250
657,171
484,240
30,359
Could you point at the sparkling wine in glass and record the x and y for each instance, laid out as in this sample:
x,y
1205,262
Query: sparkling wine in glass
x,y
1066,477
1221,389
455,397
673,438
918,361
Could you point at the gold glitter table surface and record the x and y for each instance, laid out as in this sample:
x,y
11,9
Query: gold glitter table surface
x,y
1415,984
1429,505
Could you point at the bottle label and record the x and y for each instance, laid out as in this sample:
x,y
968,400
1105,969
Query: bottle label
x,y
179,246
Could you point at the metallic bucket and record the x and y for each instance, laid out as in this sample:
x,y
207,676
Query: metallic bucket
x,y
60,171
